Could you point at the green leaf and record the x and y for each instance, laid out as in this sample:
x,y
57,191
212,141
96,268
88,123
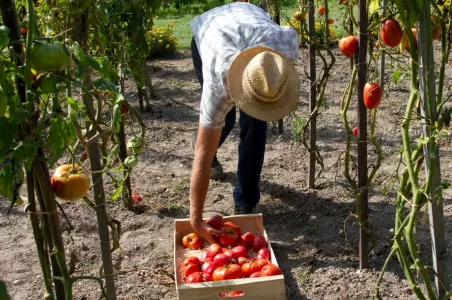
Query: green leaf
x,y
422,141
4,37
445,185
117,192
396,76
6,181
3,292
100,65
9,129
117,117
26,150
61,133
49,84
105,85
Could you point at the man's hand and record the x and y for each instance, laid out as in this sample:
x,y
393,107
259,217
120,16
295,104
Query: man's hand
x,y
205,231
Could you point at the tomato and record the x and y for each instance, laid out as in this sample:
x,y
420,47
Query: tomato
x,y
355,131
209,267
3,103
136,199
248,237
50,57
228,253
258,243
330,21
70,183
372,95
243,244
198,277
23,30
391,32
135,145
214,249
256,274
215,222
192,241
239,251
264,253
297,15
271,270
190,260
205,256
321,10
190,269
131,161
348,45
231,271
229,236
222,259
253,266
235,227
242,260
124,108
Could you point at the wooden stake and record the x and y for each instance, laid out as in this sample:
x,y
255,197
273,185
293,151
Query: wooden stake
x,y
382,57
427,88
312,97
362,135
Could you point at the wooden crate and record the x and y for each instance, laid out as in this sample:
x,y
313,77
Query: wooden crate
x,y
261,288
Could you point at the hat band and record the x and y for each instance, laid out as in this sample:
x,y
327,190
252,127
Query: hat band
x,y
261,96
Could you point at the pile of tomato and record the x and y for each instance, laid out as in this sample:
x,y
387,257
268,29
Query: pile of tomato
x,y
234,256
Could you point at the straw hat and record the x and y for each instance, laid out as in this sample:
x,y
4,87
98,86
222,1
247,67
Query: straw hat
x,y
264,83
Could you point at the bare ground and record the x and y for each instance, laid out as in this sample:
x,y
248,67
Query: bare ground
x,y
314,237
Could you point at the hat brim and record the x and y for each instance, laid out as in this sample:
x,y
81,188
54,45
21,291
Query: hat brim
x,y
243,99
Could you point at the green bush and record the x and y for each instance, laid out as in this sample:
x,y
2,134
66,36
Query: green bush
x,y
161,41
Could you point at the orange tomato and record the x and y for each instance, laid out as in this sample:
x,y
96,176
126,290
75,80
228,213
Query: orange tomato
x,y
70,183
321,9
330,21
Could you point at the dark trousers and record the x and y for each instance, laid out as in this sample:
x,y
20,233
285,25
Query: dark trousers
x,y
253,137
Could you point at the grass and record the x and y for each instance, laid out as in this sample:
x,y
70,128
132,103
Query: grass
x,y
182,30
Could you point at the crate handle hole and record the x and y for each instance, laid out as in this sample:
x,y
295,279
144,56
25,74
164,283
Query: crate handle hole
x,y
231,294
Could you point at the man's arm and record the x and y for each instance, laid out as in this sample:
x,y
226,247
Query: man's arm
x,y
206,145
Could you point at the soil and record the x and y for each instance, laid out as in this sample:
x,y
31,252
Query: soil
x,y
312,230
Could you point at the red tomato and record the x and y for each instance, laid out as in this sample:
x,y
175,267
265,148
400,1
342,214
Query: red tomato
x,y
242,260
198,277
239,251
243,244
321,10
253,266
192,241
264,253
215,222
256,274
297,16
271,270
136,199
258,243
372,95
190,269
214,249
391,32
231,271
229,236
221,259
331,21
235,227
355,131
69,183
23,30
348,45
248,237
190,260
208,267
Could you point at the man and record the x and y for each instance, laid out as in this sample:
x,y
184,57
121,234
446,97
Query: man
x,y
241,58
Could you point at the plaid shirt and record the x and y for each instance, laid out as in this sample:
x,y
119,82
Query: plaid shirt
x,y
220,34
